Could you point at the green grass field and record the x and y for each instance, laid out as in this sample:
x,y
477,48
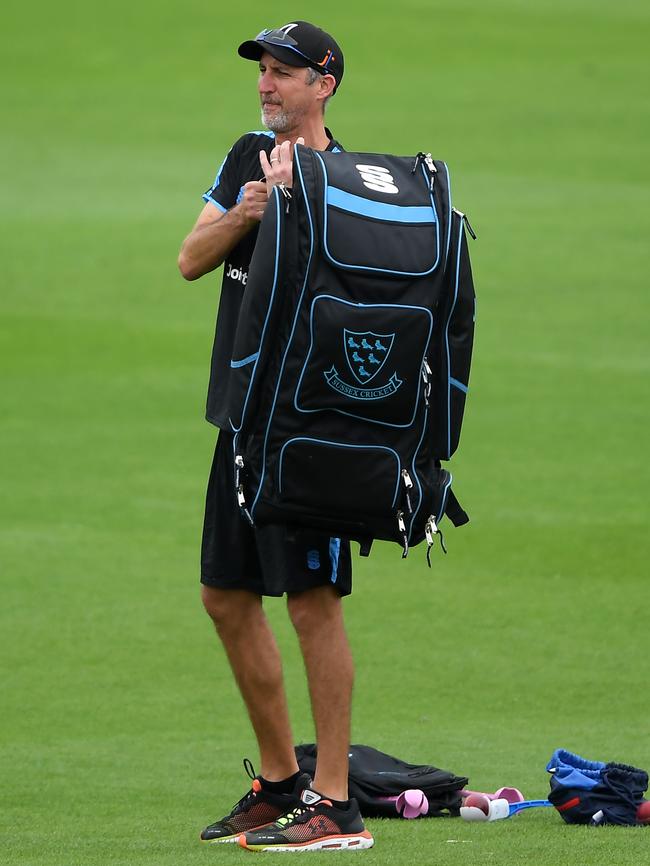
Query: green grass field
x,y
122,733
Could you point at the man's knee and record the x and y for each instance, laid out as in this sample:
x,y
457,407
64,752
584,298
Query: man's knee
x,y
313,607
229,608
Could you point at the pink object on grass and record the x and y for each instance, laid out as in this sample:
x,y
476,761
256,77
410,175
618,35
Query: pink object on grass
x,y
412,804
512,795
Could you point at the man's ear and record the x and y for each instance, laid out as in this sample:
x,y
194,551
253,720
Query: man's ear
x,y
327,85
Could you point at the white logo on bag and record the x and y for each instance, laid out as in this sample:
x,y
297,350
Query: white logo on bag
x,y
378,178
237,274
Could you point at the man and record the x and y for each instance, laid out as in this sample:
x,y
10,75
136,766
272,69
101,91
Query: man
x,y
300,68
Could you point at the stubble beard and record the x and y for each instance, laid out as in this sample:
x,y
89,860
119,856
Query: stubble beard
x,y
279,121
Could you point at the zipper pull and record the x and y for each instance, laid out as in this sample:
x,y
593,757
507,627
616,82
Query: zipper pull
x,y
239,488
408,484
430,531
402,528
466,221
426,378
433,171
420,156
286,192
239,465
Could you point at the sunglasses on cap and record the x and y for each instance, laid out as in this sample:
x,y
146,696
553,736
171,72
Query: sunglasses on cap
x,y
282,39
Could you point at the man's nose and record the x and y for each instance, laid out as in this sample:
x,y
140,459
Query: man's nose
x,y
265,83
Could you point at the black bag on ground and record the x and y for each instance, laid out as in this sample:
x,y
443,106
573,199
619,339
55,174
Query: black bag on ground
x,y
352,354
376,780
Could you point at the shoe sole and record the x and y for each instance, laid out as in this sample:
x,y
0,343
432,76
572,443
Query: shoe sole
x,y
234,837
352,842
221,839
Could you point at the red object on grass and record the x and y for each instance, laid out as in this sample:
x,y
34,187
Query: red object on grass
x,y
643,812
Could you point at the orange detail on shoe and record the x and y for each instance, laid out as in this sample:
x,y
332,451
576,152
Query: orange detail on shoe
x,y
241,840
332,842
256,786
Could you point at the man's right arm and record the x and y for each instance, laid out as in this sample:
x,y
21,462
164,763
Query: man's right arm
x,y
216,233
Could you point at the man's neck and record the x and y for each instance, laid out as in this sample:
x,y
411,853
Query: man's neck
x,y
314,135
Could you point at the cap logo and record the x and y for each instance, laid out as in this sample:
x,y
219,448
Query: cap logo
x,y
286,28
328,56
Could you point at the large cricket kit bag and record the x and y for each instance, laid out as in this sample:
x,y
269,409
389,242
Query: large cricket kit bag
x,y
352,353
376,780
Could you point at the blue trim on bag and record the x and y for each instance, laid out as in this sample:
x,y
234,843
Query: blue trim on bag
x,y
378,210
450,212
335,550
311,344
268,313
459,385
443,503
451,312
244,361
367,268
415,474
341,445
293,327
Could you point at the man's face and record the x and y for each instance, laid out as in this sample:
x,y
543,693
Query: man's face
x,y
287,99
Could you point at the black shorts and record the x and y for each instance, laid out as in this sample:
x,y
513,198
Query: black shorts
x,y
266,560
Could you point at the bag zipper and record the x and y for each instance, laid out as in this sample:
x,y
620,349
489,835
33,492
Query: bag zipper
x,y
466,221
408,485
239,488
427,374
401,526
431,529
427,159
286,192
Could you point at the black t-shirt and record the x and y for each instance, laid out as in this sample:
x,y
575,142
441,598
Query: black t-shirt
x,y
238,168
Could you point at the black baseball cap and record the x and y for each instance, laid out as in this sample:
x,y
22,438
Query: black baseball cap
x,y
298,43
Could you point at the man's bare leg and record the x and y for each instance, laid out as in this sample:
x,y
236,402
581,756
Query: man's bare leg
x,y
254,657
317,616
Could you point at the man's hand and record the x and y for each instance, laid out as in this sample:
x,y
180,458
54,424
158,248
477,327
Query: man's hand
x,y
254,199
279,168
216,234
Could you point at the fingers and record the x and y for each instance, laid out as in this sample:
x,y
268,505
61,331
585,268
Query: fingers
x,y
264,162
299,140
254,199
278,165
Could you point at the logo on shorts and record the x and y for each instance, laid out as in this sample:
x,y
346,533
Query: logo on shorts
x,y
366,354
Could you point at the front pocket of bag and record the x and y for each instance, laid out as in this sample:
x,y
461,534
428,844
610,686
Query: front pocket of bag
x,y
365,360
347,480
435,484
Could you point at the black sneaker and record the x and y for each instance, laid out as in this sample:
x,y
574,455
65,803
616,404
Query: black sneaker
x,y
315,824
260,806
